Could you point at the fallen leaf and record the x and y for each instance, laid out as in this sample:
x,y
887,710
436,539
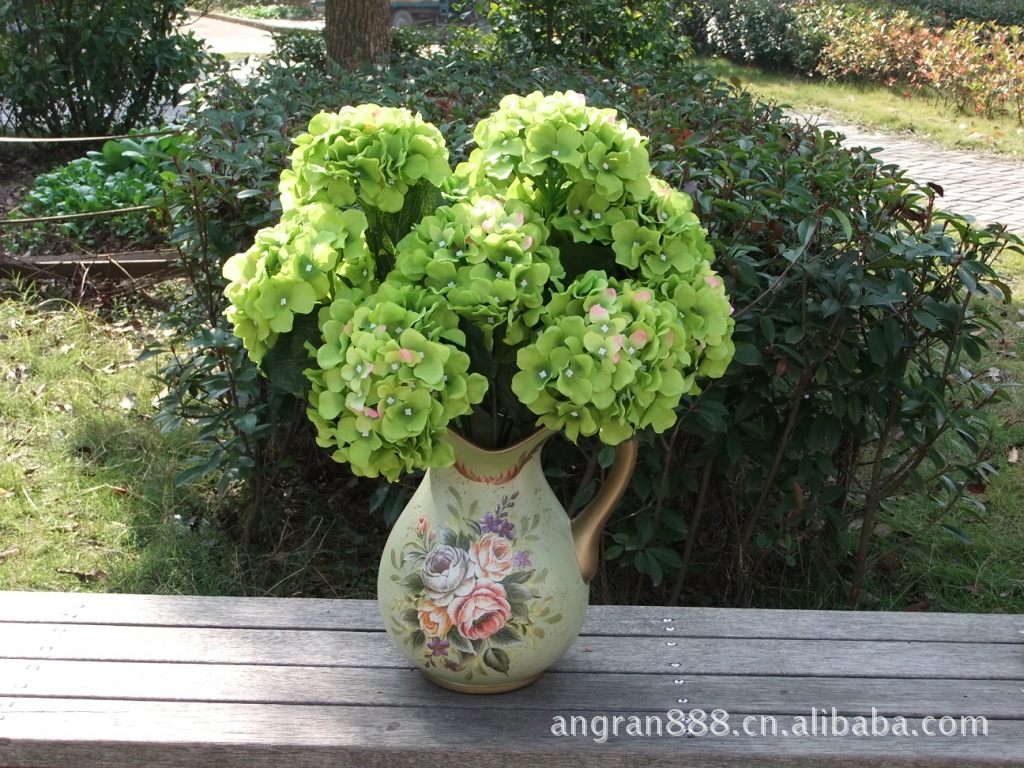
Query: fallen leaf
x,y
882,530
1014,456
130,402
974,587
8,553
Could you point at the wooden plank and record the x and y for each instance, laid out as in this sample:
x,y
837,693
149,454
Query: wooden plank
x,y
106,266
604,620
708,656
94,733
579,691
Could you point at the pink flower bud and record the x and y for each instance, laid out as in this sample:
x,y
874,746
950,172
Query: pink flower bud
x,y
527,242
639,338
611,292
713,281
642,296
518,219
405,354
421,525
598,313
371,412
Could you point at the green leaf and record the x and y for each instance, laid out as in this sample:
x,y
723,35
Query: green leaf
x,y
877,347
748,354
506,637
496,659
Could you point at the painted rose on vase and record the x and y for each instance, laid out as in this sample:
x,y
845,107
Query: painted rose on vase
x,y
469,589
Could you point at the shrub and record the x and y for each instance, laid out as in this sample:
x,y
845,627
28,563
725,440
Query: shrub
x,y
855,328
1003,12
979,68
876,46
68,68
604,32
856,333
761,32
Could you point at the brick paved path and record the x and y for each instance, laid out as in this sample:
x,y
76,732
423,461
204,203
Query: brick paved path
x,y
984,186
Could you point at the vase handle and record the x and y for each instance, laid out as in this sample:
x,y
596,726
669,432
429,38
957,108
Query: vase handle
x,y
588,524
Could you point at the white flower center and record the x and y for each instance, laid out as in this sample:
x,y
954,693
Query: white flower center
x,y
554,153
543,374
408,411
283,302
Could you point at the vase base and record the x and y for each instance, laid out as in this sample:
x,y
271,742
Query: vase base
x,y
451,685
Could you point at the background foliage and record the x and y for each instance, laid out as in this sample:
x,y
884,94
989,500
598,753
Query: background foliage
x,y
130,54
861,317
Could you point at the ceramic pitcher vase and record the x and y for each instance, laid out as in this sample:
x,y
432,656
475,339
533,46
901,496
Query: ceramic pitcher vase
x,y
483,582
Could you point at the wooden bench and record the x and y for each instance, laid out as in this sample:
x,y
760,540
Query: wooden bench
x,y
123,680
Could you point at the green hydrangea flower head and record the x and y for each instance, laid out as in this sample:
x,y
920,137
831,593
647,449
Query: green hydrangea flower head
x,y
390,377
539,146
368,154
487,257
291,268
612,359
662,236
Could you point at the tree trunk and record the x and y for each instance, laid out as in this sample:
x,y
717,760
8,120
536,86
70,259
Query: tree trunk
x,y
358,31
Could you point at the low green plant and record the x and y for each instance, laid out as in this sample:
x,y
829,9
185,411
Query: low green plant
x,y
132,55
122,175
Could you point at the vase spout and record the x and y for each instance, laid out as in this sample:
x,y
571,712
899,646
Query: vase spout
x,y
588,524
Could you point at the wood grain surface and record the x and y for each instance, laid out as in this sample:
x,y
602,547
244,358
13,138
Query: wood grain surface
x,y
119,680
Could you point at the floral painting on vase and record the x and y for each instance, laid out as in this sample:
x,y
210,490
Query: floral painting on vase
x,y
470,593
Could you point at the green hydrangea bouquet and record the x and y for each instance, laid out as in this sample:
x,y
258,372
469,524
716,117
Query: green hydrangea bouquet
x,y
550,280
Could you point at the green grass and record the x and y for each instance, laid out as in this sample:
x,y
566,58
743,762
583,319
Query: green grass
x,y
877,107
87,493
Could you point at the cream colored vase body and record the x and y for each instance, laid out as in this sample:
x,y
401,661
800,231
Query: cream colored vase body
x,y
483,582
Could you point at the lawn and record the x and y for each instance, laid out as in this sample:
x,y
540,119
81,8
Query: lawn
x,y
896,110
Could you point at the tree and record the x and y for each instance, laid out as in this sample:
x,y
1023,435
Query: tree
x,y
357,31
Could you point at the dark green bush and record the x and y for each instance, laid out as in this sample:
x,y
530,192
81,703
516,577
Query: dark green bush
x,y
856,328
73,67
604,32
1003,12
761,32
